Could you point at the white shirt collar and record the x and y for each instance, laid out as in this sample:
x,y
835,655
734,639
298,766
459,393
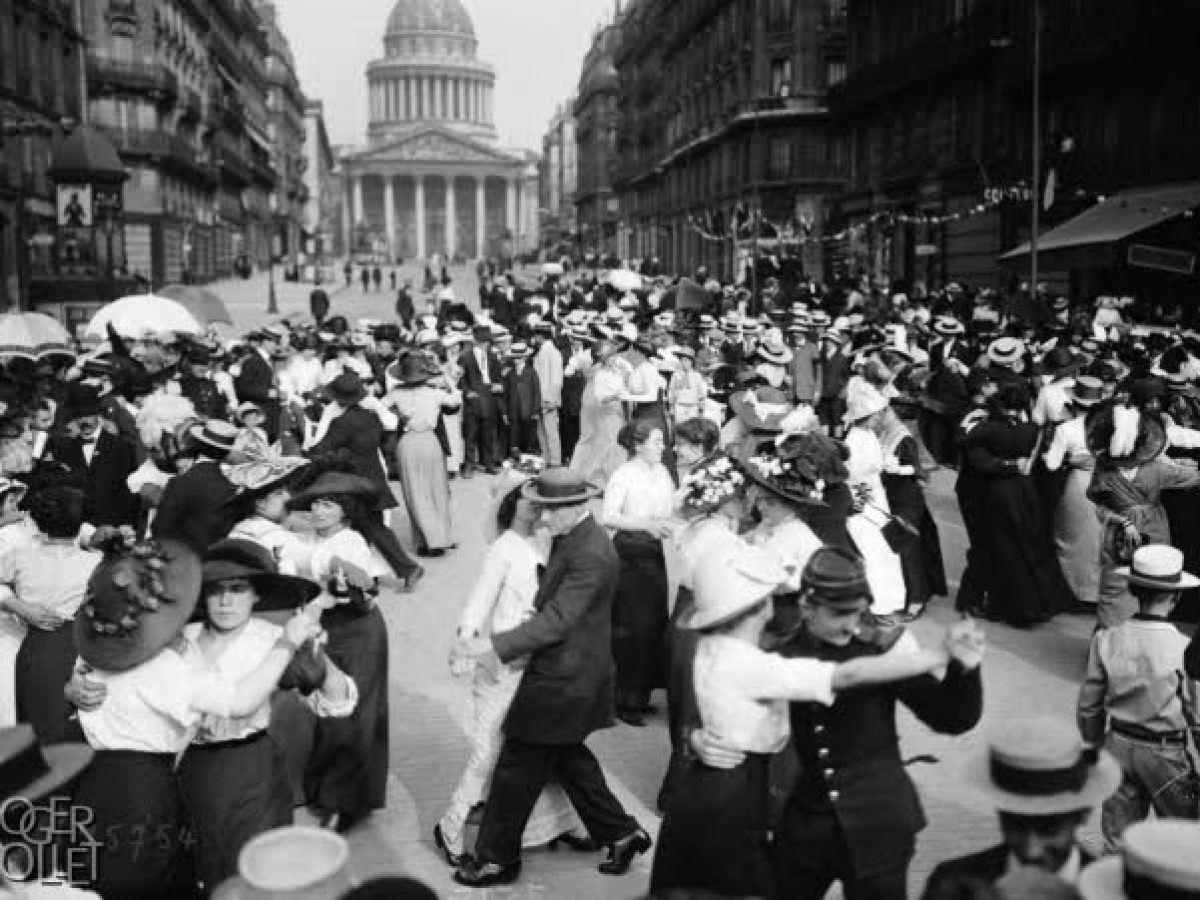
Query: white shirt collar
x,y
1070,869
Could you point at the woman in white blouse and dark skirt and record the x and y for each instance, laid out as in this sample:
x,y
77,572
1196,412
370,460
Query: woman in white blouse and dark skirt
x,y
715,835
638,506
156,697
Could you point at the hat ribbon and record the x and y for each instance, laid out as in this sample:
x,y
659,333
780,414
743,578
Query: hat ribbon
x,y
1161,579
22,770
1027,783
559,491
1141,887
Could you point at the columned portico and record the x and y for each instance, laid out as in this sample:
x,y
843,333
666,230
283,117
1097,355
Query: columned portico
x,y
419,215
451,219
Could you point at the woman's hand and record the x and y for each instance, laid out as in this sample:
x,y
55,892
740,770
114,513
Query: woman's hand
x,y
36,616
82,692
300,628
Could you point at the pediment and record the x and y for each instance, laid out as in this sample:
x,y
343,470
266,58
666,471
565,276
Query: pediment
x,y
434,145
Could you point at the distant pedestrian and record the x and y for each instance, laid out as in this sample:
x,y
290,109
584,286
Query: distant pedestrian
x,y
377,277
348,271
365,277
318,305
392,278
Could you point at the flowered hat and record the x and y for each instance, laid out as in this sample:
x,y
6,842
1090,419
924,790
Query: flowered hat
x,y
712,484
797,469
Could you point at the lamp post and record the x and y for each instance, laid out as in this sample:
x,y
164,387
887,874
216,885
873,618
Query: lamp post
x,y
272,302
1035,196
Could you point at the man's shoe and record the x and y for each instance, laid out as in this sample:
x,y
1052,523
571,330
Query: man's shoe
x,y
413,577
573,842
476,874
453,860
622,852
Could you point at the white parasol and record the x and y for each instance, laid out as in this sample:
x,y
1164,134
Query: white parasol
x,y
144,315
552,268
33,336
625,280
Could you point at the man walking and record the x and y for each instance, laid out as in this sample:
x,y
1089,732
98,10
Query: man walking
x,y
548,363
481,384
565,694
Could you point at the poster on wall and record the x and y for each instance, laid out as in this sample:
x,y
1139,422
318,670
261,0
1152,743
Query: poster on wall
x,y
75,205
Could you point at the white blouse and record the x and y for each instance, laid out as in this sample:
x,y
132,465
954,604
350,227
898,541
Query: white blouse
x,y
792,542
421,406
504,591
743,692
351,547
291,551
638,490
241,658
1069,447
49,573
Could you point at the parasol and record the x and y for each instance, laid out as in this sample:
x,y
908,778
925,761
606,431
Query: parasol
x,y
206,306
143,315
33,336
552,268
625,280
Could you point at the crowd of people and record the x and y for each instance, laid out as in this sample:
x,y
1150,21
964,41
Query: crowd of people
x,y
695,487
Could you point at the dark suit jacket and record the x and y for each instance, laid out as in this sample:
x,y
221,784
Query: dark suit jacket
x,y
566,692
360,431
255,380
523,392
961,878
107,498
849,753
503,310
835,375
195,507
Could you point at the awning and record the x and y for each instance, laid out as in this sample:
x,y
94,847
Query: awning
x,y
1092,238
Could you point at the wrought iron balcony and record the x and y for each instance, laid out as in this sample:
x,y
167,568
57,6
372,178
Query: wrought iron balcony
x,y
106,75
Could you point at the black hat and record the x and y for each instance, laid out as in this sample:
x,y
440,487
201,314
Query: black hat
x,y
82,400
238,558
836,577
347,389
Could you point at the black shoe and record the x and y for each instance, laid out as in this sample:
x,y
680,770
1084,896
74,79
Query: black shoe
x,y
453,860
435,554
622,852
574,842
465,473
476,874
411,580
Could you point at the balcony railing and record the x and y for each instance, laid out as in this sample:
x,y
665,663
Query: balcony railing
x,y
160,145
149,78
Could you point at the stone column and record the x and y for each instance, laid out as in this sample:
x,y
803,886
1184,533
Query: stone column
x,y
451,219
426,93
357,212
394,90
437,98
460,100
347,224
480,216
389,216
404,98
419,180
510,207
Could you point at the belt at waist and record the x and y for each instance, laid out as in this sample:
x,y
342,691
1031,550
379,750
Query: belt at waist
x,y
235,742
1141,733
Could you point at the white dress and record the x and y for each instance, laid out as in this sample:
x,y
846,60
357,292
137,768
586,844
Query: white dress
x,y
884,573
501,600
12,628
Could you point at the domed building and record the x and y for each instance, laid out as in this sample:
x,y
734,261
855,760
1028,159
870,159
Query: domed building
x,y
432,179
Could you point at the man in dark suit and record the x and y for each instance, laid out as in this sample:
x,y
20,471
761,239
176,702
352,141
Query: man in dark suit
x,y
1040,814
255,381
523,392
360,432
195,507
565,694
853,813
91,447
482,387
835,377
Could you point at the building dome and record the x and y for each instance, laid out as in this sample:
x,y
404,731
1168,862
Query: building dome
x,y
429,16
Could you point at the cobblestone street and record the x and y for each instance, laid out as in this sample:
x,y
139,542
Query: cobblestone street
x,y
1025,673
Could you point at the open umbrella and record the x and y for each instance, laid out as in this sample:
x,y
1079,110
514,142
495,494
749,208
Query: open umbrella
x,y
625,280
33,336
552,268
202,303
143,315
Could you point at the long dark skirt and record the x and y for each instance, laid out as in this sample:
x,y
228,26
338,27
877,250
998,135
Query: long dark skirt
x,y
715,835
234,791
640,613
1026,584
140,824
347,770
681,693
43,667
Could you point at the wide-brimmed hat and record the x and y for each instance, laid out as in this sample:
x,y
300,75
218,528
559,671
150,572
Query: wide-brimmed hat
x,y
1061,362
775,354
789,470
238,558
215,433
261,477
333,484
1005,351
948,326
836,577
138,599
1038,767
761,409
347,389
864,401
30,771
1086,391
559,485
730,581
1159,566
298,862
1160,858
246,408
1123,435
519,350
411,369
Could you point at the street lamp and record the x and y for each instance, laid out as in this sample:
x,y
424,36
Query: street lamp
x,y
1035,195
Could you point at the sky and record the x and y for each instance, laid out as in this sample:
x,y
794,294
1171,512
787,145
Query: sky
x,y
536,47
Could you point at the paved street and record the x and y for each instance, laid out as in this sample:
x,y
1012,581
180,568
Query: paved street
x,y
1025,673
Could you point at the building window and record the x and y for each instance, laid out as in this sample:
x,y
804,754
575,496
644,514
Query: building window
x,y
835,72
779,161
781,77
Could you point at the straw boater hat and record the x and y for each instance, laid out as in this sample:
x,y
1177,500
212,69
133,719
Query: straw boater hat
x,y
244,409
214,433
557,486
948,326
298,862
775,352
519,350
1159,860
1005,351
138,600
731,581
1038,767
30,771
1159,566
238,558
